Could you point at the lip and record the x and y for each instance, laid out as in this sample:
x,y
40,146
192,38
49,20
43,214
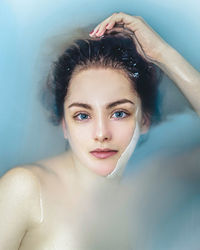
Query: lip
x,y
103,153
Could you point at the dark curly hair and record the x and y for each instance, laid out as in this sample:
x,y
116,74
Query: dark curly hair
x,y
115,50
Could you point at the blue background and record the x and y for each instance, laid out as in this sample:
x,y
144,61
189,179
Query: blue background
x,y
31,36
32,33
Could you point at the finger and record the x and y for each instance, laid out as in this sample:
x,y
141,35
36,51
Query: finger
x,y
108,24
103,28
115,18
96,29
130,22
100,28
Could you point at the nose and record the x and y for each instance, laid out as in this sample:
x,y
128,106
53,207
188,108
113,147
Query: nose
x,y
102,131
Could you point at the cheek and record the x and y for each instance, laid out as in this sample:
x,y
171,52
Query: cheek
x,y
123,133
78,136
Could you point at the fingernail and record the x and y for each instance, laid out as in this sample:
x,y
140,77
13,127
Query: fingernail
x,y
101,34
107,26
91,32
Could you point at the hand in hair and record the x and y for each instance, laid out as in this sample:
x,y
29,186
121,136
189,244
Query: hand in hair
x,y
149,44
154,49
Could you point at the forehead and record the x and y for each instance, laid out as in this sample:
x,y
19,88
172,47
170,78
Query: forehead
x,y
100,84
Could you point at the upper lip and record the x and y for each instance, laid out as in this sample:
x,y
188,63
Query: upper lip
x,y
103,150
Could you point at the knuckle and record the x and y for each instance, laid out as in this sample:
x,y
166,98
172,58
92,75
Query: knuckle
x,y
139,18
116,14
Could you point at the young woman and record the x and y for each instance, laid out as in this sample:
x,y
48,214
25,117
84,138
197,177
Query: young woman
x,y
103,92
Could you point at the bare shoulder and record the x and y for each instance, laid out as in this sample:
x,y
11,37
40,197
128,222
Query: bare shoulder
x,y
29,180
19,205
20,177
21,187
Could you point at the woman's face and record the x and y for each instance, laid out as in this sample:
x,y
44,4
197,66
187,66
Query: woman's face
x,y
99,113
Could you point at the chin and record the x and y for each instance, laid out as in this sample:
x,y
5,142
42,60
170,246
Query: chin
x,y
103,168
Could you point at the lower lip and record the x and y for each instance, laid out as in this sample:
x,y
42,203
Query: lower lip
x,y
103,155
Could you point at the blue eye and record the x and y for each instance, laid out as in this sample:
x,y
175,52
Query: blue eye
x,y
120,114
82,116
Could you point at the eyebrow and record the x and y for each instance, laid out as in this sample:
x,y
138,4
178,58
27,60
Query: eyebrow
x,y
108,106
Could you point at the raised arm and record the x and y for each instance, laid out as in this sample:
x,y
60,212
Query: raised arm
x,y
151,46
19,206
186,77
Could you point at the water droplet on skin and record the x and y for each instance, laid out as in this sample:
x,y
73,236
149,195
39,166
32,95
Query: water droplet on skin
x,y
136,74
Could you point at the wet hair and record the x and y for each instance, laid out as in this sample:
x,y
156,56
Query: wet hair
x,y
115,50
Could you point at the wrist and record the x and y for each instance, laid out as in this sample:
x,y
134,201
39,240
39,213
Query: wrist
x,y
166,56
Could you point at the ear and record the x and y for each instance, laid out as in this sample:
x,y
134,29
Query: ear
x,y
145,124
64,128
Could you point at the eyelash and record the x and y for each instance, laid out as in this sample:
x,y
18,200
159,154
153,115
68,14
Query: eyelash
x,y
82,113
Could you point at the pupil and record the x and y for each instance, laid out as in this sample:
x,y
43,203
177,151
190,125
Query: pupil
x,y
118,113
83,116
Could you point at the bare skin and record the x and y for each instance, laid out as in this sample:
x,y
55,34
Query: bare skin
x,y
151,46
52,195
44,212
41,203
